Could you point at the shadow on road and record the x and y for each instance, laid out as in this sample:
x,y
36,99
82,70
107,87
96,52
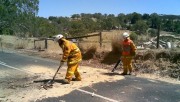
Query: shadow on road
x,y
46,80
110,74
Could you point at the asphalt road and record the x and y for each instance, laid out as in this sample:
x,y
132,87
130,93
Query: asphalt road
x,y
15,63
14,74
130,89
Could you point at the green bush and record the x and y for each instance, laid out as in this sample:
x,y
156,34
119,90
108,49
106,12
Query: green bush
x,y
152,32
133,36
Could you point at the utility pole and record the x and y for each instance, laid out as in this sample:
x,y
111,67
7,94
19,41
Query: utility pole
x,y
158,34
1,43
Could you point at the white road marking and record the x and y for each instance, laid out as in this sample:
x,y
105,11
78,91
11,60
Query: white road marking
x,y
4,64
93,94
137,88
22,70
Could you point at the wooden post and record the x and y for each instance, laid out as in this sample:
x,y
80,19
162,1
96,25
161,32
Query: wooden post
x,y
1,43
45,41
34,44
100,39
158,34
1,47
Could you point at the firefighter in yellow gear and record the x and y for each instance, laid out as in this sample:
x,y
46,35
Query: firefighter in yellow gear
x,y
128,52
71,55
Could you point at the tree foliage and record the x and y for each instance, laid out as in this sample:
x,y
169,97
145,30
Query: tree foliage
x,y
77,28
140,27
19,17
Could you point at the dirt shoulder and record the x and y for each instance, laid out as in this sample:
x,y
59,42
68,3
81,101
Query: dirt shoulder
x,y
24,89
19,87
28,91
96,62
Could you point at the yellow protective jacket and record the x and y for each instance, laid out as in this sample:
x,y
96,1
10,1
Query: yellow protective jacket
x,y
129,48
71,53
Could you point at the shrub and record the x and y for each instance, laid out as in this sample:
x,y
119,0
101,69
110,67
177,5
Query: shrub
x,y
116,46
133,36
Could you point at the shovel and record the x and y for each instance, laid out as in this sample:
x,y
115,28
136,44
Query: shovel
x,y
49,84
116,65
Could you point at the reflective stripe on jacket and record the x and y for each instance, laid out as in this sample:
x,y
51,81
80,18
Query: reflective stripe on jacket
x,y
71,52
128,47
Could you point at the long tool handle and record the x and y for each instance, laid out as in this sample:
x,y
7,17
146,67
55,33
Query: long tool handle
x,y
56,73
116,65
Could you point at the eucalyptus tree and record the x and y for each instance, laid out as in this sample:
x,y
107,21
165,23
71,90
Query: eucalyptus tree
x,y
97,15
122,20
76,16
169,25
135,17
63,24
145,16
155,20
18,16
77,28
177,27
89,24
46,28
140,27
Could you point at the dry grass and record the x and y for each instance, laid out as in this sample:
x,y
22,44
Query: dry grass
x,y
161,62
19,43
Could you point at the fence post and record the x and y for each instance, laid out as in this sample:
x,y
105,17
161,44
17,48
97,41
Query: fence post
x,y
1,43
34,44
100,39
46,44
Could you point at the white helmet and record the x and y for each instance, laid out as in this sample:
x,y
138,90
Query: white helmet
x,y
57,37
125,35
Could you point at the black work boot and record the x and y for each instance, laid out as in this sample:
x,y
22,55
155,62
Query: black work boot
x,y
65,81
76,79
123,74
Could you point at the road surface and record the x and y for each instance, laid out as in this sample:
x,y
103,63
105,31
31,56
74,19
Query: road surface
x,y
130,89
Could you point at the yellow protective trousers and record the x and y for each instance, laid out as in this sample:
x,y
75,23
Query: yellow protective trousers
x,y
73,69
127,64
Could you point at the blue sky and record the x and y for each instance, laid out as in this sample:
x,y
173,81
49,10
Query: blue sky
x,y
66,8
